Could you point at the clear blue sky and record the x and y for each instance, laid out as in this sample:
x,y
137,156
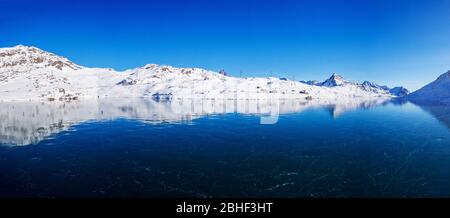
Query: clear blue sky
x,y
388,42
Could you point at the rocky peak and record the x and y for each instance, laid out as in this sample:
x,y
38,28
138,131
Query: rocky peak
x,y
25,58
334,80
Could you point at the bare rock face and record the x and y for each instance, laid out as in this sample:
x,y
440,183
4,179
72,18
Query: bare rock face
x,y
28,72
22,58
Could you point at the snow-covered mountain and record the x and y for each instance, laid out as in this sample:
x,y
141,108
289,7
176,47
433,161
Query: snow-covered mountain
x,y
399,91
437,91
311,82
370,86
337,80
24,58
29,73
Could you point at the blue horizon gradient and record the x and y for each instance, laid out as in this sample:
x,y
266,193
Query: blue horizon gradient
x,y
391,43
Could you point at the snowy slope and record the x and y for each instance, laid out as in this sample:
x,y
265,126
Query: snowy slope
x,y
28,73
437,91
166,82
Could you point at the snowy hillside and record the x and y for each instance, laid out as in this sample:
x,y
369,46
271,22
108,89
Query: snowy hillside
x,y
437,91
166,82
336,80
28,73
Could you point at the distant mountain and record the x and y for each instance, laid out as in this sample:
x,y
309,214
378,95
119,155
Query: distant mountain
x,y
29,73
370,85
399,91
334,80
311,82
437,91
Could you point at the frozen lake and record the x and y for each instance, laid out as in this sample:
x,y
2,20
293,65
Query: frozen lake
x,y
206,148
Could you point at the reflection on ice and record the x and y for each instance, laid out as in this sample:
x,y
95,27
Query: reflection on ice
x,y
440,112
30,122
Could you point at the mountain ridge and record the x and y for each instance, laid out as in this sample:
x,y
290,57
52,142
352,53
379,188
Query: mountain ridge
x,y
29,73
